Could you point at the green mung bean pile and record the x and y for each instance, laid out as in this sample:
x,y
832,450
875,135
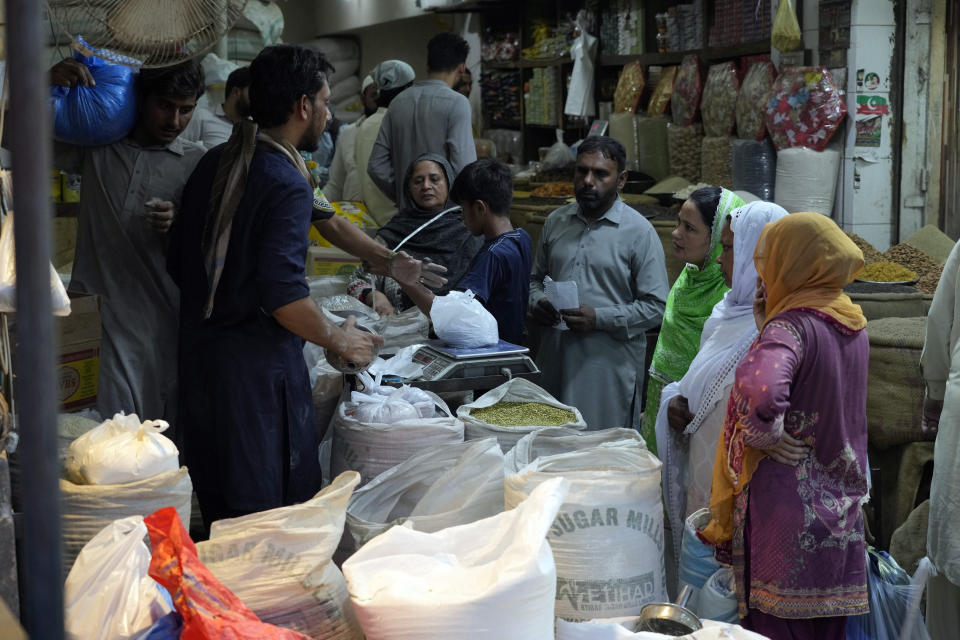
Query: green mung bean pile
x,y
523,414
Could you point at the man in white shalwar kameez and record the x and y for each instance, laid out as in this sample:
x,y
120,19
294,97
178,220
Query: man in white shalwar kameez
x,y
941,369
615,257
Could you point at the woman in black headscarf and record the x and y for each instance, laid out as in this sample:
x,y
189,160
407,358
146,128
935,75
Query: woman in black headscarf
x,y
446,241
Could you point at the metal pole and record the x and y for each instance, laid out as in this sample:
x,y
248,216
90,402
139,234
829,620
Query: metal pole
x,y
30,146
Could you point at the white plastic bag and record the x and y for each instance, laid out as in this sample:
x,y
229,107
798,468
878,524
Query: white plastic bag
x,y
88,508
109,593
494,578
623,630
382,409
607,539
121,450
279,563
806,179
444,486
461,321
8,275
373,447
515,390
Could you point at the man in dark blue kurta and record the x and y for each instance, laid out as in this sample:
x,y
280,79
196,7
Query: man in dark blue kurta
x,y
238,252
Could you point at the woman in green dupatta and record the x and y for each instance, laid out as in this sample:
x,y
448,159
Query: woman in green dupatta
x,y
696,241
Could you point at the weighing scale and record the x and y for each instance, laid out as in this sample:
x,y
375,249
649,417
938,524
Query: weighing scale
x,y
442,362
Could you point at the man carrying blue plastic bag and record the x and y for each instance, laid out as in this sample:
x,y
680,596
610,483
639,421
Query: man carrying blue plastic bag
x,y
130,191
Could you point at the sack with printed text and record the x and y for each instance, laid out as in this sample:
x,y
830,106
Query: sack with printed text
x,y
614,503
278,562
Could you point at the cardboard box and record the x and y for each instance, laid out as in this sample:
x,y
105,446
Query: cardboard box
x,y
78,353
324,261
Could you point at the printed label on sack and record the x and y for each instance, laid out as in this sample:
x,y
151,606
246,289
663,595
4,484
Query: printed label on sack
x,y
592,596
568,522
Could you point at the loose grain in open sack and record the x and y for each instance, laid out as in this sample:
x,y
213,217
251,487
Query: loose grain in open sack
x,y
516,390
607,539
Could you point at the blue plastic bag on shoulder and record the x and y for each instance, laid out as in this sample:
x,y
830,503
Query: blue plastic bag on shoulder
x,y
97,115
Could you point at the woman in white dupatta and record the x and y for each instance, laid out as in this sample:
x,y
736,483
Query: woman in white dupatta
x,y
691,411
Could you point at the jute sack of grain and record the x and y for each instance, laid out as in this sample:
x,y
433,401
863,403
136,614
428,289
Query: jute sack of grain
x,y
607,538
892,305
895,383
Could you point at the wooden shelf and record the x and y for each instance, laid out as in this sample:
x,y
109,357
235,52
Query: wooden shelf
x,y
528,63
709,54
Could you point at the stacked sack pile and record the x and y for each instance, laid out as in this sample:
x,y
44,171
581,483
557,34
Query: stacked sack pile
x,y
345,83
261,25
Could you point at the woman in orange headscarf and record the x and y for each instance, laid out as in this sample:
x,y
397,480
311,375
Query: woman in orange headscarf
x,y
790,473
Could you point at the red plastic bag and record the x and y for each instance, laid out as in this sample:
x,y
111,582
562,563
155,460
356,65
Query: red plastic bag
x,y
687,88
805,108
209,610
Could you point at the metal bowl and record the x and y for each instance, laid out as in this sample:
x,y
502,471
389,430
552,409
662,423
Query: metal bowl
x,y
668,619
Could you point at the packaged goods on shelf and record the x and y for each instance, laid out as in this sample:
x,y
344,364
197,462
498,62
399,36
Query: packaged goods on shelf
x,y
715,161
687,90
752,100
719,103
630,85
660,99
684,144
755,168
542,97
653,157
501,97
805,108
806,179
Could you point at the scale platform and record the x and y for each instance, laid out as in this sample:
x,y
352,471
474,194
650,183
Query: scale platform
x,y
443,363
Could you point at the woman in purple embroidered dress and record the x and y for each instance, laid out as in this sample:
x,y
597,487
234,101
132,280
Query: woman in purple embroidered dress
x,y
790,474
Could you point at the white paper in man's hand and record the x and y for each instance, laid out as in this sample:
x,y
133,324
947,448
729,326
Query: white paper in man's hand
x,y
562,295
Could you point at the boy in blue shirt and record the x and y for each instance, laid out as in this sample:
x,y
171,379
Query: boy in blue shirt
x,y
500,273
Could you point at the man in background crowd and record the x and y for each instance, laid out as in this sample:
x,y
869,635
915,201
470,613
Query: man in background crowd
x,y
349,179
211,128
430,117
614,256
131,190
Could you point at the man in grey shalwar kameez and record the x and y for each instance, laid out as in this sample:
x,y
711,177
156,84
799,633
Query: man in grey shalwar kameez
x,y
615,257
130,192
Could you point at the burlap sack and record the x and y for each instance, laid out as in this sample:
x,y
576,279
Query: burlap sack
x,y
893,305
895,383
909,542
